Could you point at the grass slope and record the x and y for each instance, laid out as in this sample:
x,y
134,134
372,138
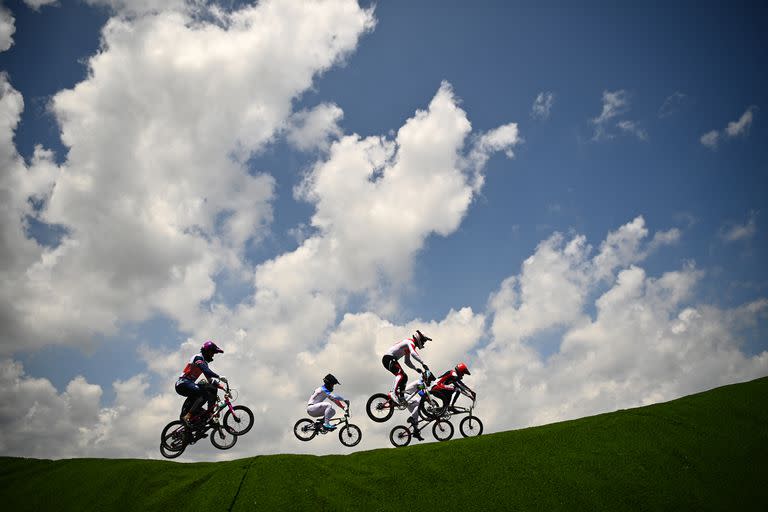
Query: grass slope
x,y
703,452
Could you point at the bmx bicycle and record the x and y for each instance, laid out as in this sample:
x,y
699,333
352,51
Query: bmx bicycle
x,y
381,406
236,421
401,435
306,429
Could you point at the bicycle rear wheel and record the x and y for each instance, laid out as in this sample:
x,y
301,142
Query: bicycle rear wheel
x,y
304,429
400,436
431,407
173,439
350,435
379,408
442,430
471,426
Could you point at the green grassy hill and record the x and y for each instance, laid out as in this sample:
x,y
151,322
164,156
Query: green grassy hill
x,y
703,452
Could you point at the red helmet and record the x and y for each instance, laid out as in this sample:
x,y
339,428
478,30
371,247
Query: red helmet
x,y
462,370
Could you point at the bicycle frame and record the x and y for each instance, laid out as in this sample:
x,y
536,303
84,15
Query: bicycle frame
x,y
320,428
461,410
213,417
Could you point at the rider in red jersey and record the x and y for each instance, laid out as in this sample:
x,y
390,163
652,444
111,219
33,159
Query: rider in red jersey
x,y
406,348
451,381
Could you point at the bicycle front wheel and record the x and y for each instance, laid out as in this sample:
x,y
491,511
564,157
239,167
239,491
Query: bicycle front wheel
x,y
471,426
379,408
400,436
222,438
240,422
442,430
350,435
304,429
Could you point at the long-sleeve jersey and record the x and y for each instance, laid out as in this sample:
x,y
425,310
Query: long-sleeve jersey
x,y
198,366
452,378
406,348
321,393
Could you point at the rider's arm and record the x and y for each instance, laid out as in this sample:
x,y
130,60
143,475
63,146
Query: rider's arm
x,y
464,387
338,399
411,352
209,374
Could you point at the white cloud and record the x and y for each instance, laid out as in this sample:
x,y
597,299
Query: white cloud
x,y
542,105
37,4
615,104
7,28
741,127
672,104
316,128
633,128
738,128
143,7
647,342
710,139
155,194
738,232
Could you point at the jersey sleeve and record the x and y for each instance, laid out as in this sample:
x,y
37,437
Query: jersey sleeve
x,y
203,365
414,353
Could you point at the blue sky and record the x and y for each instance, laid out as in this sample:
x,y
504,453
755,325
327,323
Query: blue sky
x,y
633,91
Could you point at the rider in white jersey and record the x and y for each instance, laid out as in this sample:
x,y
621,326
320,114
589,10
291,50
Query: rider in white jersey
x,y
406,348
316,407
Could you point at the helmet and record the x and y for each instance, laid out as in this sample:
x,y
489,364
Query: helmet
x,y
329,381
420,339
208,349
462,370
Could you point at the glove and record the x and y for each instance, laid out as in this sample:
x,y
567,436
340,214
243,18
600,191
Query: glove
x,y
418,370
223,378
426,368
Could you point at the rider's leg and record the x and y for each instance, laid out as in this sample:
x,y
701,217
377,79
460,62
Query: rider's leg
x,y
413,419
400,381
189,389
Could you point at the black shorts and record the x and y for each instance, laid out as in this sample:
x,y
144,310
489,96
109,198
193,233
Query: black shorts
x,y
391,364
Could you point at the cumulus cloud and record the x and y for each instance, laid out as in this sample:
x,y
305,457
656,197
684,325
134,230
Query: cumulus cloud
x,y
315,128
155,195
542,105
7,28
615,105
737,232
37,4
739,128
626,338
647,340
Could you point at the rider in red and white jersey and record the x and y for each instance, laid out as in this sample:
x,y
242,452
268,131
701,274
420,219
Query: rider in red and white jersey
x,y
406,348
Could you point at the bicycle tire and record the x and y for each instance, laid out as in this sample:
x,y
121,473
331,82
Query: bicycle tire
x,y
219,438
400,436
241,424
432,407
471,426
173,437
350,435
442,430
379,408
304,429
